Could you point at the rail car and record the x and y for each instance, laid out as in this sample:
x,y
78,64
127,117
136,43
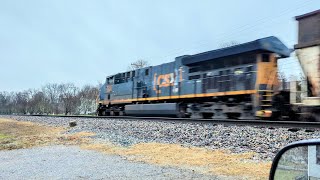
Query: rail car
x,y
308,53
233,82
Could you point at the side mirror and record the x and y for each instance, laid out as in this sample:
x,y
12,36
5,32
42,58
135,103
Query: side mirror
x,y
297,161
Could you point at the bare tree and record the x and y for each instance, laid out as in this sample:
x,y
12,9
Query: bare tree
x,y
51,98
5,103
10,102
53,92
39,103
69,97
88,95
21,100
283,80
138,64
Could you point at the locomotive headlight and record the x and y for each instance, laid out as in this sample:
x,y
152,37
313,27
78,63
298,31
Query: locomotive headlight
x,y
267,113
259,113
264,113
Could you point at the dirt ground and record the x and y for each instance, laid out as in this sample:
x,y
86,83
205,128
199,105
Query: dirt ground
x,y
16,135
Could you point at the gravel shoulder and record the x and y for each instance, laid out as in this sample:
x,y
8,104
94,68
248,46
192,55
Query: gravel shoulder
x,y
71,162
264,141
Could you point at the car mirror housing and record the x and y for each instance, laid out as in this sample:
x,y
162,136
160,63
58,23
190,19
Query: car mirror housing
x,y
298,161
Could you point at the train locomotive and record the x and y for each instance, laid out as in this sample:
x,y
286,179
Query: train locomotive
x,y
233,82
238,82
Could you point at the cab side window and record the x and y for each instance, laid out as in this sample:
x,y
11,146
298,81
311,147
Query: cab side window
x,y
265,58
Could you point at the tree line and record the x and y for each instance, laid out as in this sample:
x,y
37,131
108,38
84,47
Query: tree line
x,y
63,98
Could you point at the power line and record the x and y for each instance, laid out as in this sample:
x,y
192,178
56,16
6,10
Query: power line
x,y
242,28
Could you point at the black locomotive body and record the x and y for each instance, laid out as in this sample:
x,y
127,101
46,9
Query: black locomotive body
x,y
234,82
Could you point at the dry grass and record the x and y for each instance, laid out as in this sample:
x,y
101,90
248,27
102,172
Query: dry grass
x,y
215,162
15,134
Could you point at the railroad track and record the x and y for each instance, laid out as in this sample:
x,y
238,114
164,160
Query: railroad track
x,y
251,122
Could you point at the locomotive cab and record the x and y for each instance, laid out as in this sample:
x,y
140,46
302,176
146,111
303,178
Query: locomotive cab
x,y
267,84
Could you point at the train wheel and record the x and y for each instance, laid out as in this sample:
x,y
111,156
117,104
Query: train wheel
x,y
233,115
181,113
122,113
315,117
207,115
112,113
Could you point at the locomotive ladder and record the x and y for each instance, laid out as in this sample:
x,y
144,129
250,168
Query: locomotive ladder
x,y
266,95
265,98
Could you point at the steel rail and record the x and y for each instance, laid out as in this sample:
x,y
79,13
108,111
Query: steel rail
x,y
242,122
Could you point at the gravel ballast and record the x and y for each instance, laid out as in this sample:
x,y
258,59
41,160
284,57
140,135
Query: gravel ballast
x,y
71,162
262,140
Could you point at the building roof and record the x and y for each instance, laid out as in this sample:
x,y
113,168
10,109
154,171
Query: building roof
x,y
308,14
269,44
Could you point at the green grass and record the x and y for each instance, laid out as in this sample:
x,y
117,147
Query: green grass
x,y
7,142
287,174
3,136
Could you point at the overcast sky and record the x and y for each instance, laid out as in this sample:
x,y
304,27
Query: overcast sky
x,y
83,41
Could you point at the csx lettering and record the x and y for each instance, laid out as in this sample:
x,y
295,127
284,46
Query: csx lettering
x,y
163,80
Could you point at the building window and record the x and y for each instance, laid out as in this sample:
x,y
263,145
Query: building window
x,y
147,72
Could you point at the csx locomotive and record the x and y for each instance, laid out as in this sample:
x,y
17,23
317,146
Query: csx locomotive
x,y
233,82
